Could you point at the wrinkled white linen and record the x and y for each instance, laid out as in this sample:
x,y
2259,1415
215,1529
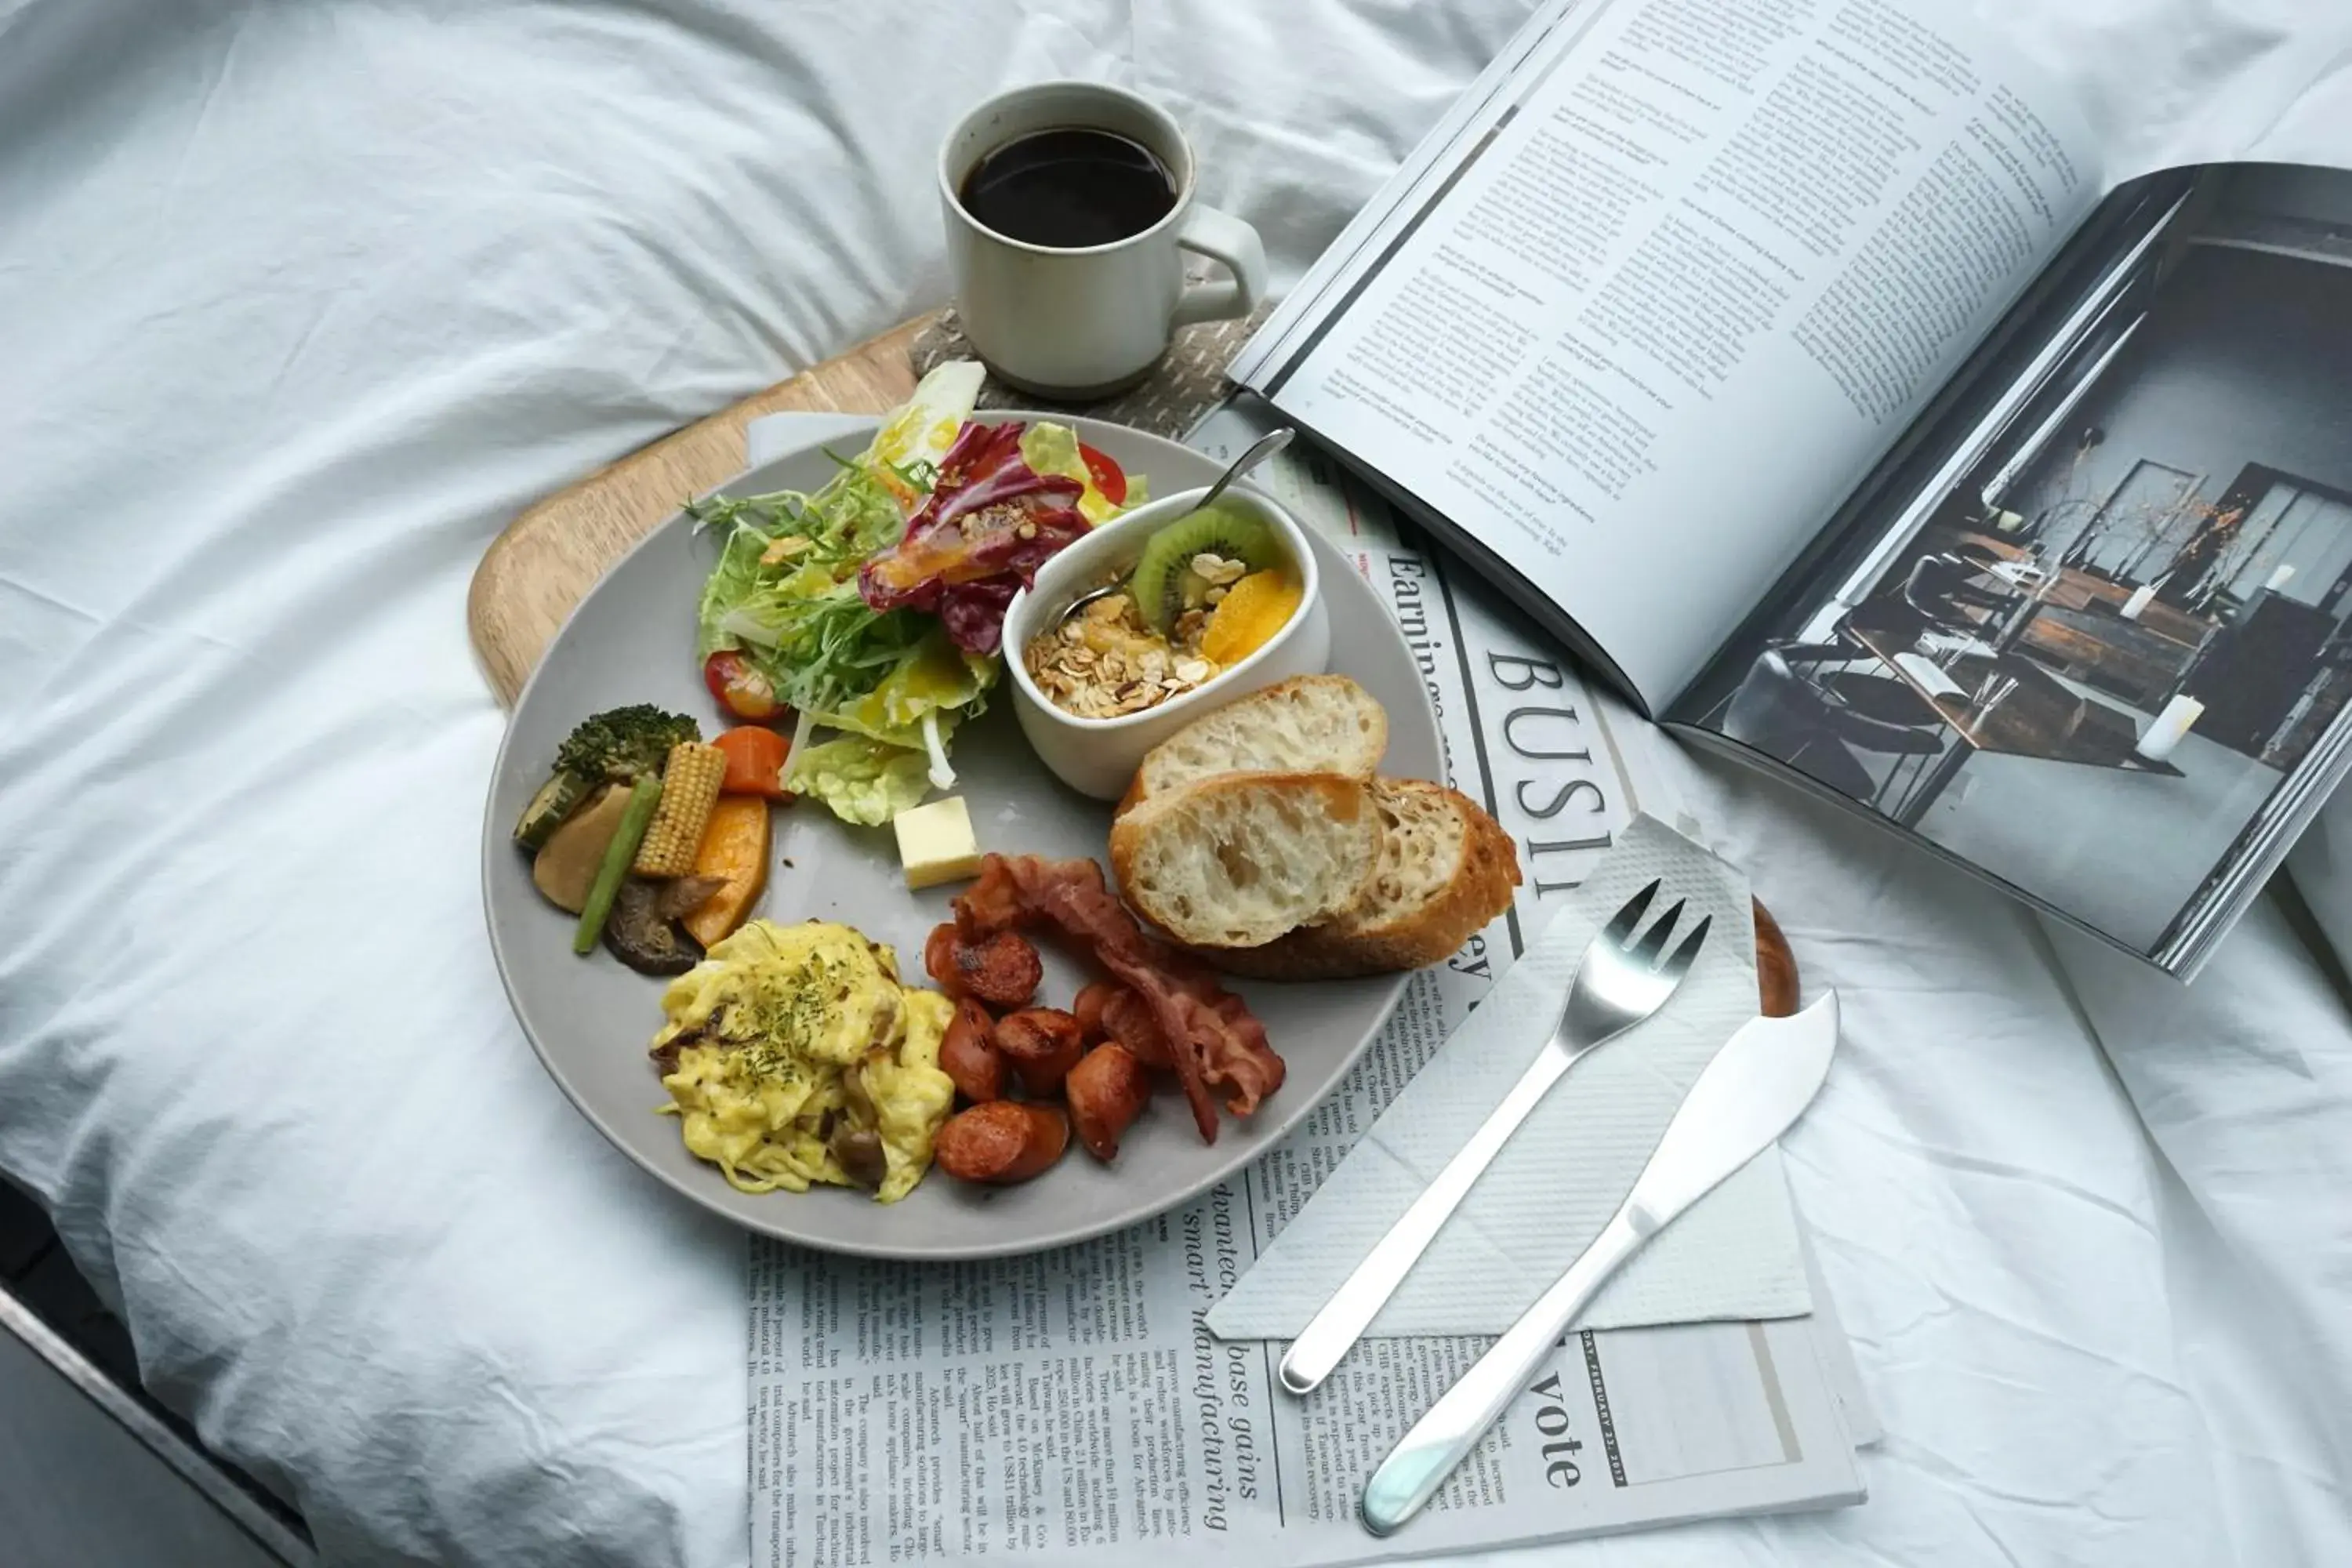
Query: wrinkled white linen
x,y
299,304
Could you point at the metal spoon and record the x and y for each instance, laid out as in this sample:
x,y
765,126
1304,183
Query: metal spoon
x,y
1090,595
1264,447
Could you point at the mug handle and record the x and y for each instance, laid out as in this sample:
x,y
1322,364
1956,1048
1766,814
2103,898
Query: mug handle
x,y
1209,233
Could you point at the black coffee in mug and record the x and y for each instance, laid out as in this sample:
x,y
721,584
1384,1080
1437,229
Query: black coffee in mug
x,y
1069,188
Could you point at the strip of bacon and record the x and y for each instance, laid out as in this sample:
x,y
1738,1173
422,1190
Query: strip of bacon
x,y
1214,1038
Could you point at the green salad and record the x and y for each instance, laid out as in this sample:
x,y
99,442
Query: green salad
x,y
893,683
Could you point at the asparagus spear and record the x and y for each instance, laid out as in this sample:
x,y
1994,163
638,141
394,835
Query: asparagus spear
x,y
644,795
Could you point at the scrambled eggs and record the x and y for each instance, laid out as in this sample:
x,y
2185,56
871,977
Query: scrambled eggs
x,y
802,1059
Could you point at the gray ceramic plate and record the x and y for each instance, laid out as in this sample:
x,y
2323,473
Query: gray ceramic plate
x,y
633,640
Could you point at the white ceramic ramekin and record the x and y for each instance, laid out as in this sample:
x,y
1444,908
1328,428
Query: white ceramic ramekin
x,y
1099,756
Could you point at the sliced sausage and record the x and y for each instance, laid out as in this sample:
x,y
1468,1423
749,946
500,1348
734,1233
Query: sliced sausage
x,y
1127,1018
1002,970
969,1057
939,958
1107,1091
1001,1142
1041,1045
1088,1007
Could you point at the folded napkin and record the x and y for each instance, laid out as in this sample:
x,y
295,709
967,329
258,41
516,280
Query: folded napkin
x,y
1734,1254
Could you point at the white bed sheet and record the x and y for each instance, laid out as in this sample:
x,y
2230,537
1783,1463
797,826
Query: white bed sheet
x,y
299,305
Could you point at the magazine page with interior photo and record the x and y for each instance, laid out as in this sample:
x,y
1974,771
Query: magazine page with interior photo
x,y
2088,635
1639,313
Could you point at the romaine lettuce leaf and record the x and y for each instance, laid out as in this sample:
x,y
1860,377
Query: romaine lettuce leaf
x,y
859,779
1051,449
917,436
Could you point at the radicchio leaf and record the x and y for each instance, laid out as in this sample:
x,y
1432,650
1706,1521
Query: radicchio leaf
x,y
990,523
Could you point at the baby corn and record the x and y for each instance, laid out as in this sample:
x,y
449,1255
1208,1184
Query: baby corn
x,y
690,781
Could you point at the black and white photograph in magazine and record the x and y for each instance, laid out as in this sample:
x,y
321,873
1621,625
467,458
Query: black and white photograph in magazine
x,y
2087,662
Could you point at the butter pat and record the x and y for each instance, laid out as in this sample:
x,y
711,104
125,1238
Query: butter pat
x,y
936,844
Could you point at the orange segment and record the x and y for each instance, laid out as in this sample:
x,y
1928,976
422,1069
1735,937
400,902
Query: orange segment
x,y
1252,612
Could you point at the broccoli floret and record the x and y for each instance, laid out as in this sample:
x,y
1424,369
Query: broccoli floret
x,y
624,742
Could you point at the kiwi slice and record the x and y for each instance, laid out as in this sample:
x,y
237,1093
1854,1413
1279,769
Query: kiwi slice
x,y
1164,583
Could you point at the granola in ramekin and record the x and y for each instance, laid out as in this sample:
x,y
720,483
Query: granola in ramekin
x,y
1104,662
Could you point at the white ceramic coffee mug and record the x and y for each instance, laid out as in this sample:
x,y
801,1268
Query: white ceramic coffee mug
x,y
1086,322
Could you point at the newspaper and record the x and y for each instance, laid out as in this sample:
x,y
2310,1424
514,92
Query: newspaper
x,y
1054,1408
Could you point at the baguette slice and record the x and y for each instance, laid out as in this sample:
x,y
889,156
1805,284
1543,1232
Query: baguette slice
x,y
1238,859
1308,724
1446,869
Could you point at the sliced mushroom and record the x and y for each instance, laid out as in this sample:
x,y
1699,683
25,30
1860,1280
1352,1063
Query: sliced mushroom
x,y
642,938
683,895
854,1092
859,1150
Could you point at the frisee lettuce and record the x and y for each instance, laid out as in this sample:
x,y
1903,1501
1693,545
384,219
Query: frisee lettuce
x,y
784,594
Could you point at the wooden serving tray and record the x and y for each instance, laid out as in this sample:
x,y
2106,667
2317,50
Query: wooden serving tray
x,y
536,571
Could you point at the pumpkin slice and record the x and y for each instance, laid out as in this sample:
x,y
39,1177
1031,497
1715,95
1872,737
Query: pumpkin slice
x,y
734,848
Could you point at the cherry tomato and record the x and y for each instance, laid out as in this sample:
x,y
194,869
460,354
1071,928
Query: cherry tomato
x,y
755,762
742,691
1108,476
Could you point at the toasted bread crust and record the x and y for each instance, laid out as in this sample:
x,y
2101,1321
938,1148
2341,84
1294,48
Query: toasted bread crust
x,y
1370,941
1337,797
1272,697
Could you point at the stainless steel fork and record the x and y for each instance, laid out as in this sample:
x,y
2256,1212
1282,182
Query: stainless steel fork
x,y
1620,981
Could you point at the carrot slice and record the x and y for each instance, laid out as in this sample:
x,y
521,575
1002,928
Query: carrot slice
x,y
755,762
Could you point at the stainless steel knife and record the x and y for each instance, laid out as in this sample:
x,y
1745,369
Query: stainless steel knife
x,y
1751,1093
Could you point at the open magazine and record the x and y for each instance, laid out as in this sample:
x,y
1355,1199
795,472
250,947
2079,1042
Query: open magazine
x,y
1072,1407
1795,364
